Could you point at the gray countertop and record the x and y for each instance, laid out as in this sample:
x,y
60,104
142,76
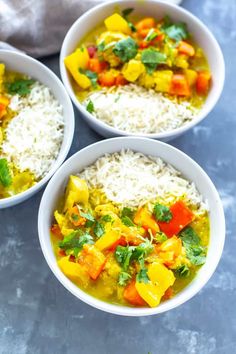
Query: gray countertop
x,y
37,315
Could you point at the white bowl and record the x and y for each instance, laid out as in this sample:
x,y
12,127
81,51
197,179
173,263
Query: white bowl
x,y
22,63
190,169
157,9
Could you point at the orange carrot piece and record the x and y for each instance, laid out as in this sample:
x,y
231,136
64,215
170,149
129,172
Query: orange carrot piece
x,y
186,48
120,80
55,229
106,79
75,217
132,296
147,22
179,85
144,219
144,44
181,217
97,66
168,294
122,242
92,260
203,82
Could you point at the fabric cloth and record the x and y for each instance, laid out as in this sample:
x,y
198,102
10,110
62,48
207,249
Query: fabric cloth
x,y
38,27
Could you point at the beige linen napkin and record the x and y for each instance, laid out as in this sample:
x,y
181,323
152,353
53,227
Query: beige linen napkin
x,y
37,27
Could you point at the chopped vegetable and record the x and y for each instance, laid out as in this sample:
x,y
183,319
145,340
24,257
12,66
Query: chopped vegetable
x,y
203,82
107,79
92,260
90,107
125,49
148,22
179,86
132,296
151,58
74,271
162,213
91,75
195,252
21,87
186,48
176,31
182,271
75,61
117,23
76,192
181,217
5,174
144,219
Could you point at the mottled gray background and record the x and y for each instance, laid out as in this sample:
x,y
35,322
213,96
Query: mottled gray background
x,y
37,315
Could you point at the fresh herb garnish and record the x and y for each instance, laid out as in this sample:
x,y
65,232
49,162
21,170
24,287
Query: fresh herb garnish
x,y
91,75
127,212
75,217
194,251
132,26
142,276
125,49
123,255
127,12
20,87
106,218
176,31
151,35
101,46
160,237
87,215
98,229
162,213
127,221
151,58
5,174
90,106
75,241
123,278
182,271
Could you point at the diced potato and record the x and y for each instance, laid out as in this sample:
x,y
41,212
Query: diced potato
x,y
109,39
191,76
181,61
163,80
146,80
116,22
161,279
132,70
74,271
63,223
107,239
76,192
2,69
73,62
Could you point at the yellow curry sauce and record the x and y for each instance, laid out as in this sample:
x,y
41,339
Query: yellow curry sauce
x,y
12,180
132,257
157,54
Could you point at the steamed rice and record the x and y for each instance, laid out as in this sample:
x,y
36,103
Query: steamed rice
x,y
131,179
134,109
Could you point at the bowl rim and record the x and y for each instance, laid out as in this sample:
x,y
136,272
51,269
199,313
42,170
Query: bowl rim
x,y
93,121
18,198
102,305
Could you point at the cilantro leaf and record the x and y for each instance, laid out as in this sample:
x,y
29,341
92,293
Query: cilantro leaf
x,y
160,237
123,278
194,251
5,174
177,31
127,212
75,240
20,87
123,255
189,236
182,271
127,221
151,58
196,254
142,276
87,215
98,229
101,46
166,22
75,217
132,26
90,107
125,49
127,12
162,213
141,251
106,218
91,75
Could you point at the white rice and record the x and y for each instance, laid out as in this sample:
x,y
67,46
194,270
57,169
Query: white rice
x,y
132,179
134,109
33,137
